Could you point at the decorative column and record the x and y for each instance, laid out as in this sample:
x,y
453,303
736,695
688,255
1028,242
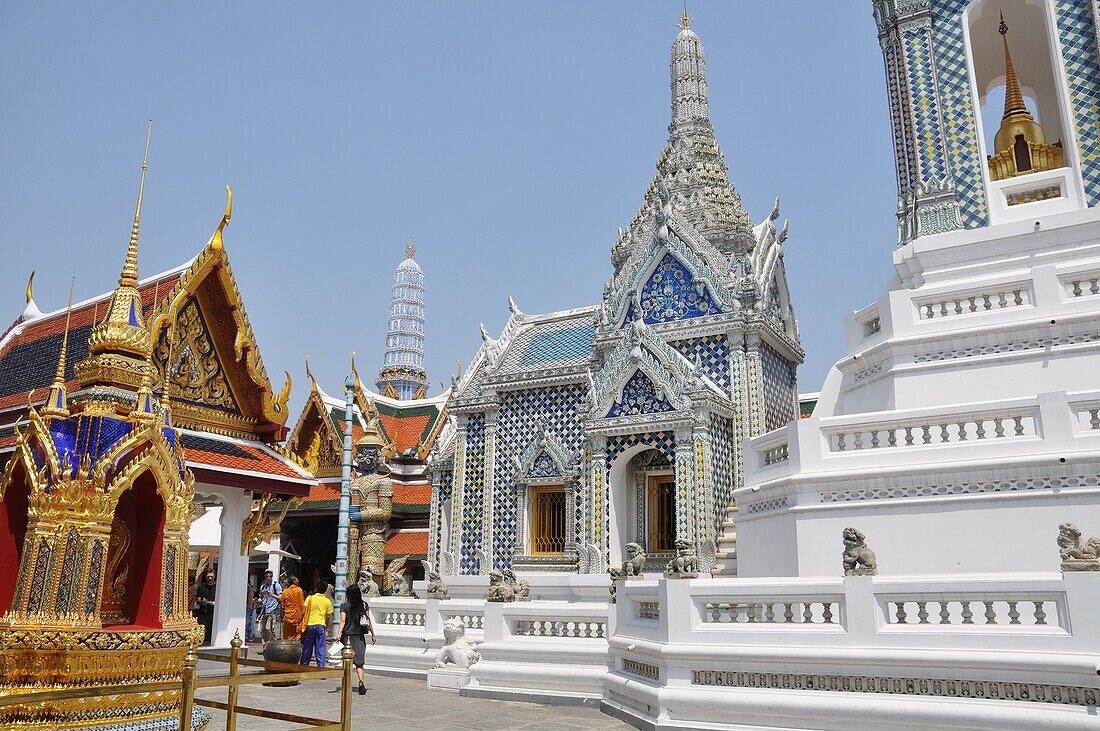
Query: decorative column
x,y
434,529
458,492
754,387
704,483
597,525
685,485
488,493
232,567
927,202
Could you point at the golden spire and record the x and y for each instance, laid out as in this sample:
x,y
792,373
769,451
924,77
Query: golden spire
x,y
1020,145
56,404
685,19
410,250
1014,98
122,332
130,267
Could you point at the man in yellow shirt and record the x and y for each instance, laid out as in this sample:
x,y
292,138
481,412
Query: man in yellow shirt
x,y
318,610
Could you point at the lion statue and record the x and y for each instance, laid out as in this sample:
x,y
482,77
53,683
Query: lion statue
x,y
458,650
521,590
616,574
367,585
859,560
635,561
436,588
1078,553
686,564
499,589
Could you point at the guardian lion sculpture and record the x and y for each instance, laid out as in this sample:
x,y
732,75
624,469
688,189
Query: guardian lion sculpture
x,y
859,560
1077,553
635,561
686,563
499,589
458,650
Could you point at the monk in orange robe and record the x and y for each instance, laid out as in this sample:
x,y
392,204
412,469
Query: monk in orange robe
x,y
294,616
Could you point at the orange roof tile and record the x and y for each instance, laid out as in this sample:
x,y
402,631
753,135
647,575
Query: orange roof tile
x,y
412,494
413,543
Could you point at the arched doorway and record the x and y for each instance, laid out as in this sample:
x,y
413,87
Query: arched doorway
x,y
13,532
642,499
132,585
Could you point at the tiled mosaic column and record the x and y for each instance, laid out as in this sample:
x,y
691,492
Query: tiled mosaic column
x,y
458,493
704,482
926,188
488,492
685,485
754,387
597,520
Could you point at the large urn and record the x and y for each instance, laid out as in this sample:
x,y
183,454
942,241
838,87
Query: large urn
x,y
286,651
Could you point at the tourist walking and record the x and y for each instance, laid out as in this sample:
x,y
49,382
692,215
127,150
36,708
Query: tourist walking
x,y
354,625
294,619
250,606
270,591
318,618
204,605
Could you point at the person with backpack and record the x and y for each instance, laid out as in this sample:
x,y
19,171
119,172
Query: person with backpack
x,y
354,625
318,611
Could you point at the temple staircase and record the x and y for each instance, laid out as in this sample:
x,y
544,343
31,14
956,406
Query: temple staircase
x,y
725,557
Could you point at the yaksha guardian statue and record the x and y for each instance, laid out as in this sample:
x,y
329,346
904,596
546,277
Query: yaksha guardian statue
x,y
373,490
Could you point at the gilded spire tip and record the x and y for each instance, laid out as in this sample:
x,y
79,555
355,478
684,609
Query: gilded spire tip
x,y
685,19
410,250
56,404
1003,27
130,268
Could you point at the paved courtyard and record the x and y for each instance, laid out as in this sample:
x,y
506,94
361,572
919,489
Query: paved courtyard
x,y
400,703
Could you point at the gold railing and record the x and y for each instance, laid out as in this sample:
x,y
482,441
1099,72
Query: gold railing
x,y
189,682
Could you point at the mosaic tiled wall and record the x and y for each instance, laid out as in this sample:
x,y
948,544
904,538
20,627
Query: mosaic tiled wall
x,y
722,446
520,413
662,440
473,492
780,397
671,294
713,354
959,125
442,486
1077,34
640,396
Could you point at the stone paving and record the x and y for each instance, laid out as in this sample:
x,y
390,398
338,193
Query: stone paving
x,y
402,703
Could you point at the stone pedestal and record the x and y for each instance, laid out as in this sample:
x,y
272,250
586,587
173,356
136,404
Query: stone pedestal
x,y
449,679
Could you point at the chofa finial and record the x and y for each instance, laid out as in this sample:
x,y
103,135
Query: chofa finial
x,y
30,287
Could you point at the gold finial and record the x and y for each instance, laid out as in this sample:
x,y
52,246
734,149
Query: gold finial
x,y
130,268
410,250
685,19
355,371
55,400
216,243
309,374
30,287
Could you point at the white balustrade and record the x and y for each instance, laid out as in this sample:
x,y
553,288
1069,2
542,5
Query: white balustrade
x,y
975,302
776,455
1082,285
767,611
559,628
933,430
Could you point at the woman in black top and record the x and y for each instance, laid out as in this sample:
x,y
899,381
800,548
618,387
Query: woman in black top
x,y
354,625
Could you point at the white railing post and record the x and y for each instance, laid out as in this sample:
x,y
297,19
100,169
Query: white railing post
x,y
433,621
1057,421
677,610
1082,600
495,629
860,613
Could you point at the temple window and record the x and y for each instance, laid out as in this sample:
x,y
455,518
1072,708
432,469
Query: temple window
x,y
661,503
1023,125
548,520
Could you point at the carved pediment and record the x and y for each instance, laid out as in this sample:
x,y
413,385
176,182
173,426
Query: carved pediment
x,y
195,373
545,457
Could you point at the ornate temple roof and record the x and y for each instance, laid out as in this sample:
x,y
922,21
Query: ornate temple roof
x,y
222,402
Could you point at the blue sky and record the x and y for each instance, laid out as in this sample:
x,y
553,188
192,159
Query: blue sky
x,y
509,139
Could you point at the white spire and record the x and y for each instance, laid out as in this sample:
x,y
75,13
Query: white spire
x,y
403,365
